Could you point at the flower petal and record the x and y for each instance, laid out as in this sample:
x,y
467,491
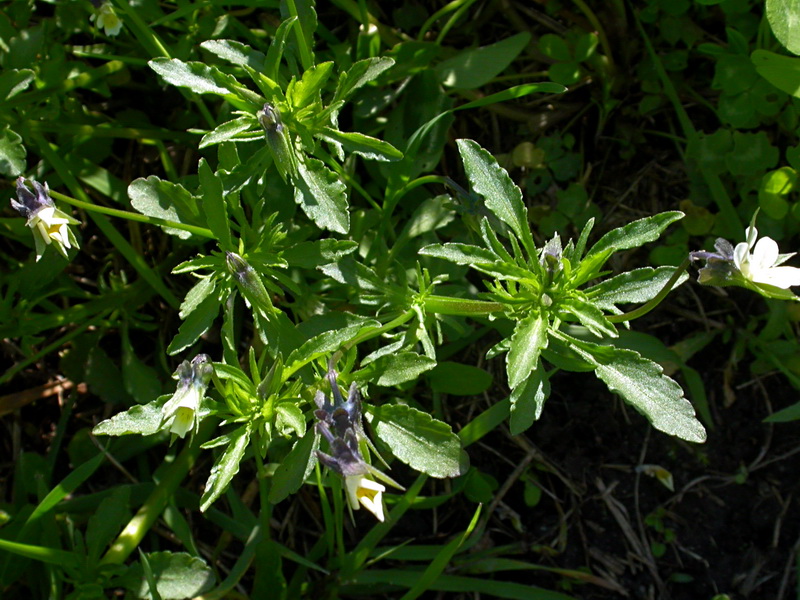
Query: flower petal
x,y
764,254
781,277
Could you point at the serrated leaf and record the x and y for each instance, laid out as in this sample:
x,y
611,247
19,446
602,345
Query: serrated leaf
x,y
214,206
235,53
196,76
142,419
527,342
527,400
359,74
328,341
295,467
12,153
363,145
178,576
461,254
309,88
226,467
228,130
643,385
196,324
321,195
199,292
637,286
417,439
634,234
500,194
164,200
309,255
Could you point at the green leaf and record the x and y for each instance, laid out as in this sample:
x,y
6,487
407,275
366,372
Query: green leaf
x,y
459,380
554,46
636,233
363,145
394,369
235,53
476,67
781,71
295,468
165,200
214,206
308,89
289,420
226,467
312,254
196,76
142,419
359,74
589,315
643,385
196,324
107,521
178,575
419,440
328,341
276,48
461,254
199,292
492,182
12,153
784,19
637,286
14,81
140,380
229,130
527,342
527,400
322,196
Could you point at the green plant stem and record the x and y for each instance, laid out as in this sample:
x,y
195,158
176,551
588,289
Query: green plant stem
x,y
168,482
465,307
132,216
655,301
303,44
601,33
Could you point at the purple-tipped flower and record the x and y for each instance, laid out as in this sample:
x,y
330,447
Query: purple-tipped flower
x,y
48,224
340,424
180,413
719,268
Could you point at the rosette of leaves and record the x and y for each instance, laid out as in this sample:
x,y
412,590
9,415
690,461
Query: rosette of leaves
x,y
299,129
558,319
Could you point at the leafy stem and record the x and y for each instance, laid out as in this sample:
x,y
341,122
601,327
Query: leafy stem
x,y
656,300
132,216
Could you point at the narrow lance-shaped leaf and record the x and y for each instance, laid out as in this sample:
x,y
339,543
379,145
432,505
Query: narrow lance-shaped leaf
x,y
322,196
214,206
502,197
295,467
527,400
363,145
527,343
226,467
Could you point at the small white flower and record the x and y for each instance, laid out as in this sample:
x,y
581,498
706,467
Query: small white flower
x,y
366,492
758,261
106,19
